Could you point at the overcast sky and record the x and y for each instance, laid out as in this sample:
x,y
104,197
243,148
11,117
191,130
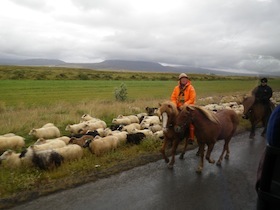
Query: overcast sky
x,y
223,34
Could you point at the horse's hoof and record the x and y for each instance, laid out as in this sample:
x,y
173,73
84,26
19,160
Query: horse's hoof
x,y
212,161
181,157
227,157
166,160
197,154
198,170
219,163
170,166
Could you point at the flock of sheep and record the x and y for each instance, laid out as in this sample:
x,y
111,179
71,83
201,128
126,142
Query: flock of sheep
x,y
51,149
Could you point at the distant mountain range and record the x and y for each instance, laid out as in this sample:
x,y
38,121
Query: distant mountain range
x,y
118,65
32,62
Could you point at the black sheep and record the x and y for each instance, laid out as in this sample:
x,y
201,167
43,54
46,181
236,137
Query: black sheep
x,y
135,138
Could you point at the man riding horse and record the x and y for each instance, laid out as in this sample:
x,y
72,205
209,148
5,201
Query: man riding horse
x,y
262,94
184,94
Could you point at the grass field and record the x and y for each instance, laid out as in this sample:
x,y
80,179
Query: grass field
x,y
64,101
17,93
25,104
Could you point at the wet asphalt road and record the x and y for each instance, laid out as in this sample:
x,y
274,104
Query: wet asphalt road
x,y
154,186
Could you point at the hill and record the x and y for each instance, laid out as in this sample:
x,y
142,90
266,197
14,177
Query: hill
x,y
125,65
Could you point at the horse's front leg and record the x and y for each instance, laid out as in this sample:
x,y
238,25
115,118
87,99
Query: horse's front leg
x,y
209,151
225,149
173,153
201,150
265,127
162,151
252,132
198,151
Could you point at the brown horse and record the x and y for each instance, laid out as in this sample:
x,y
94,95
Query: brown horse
x,y
209,127
168,112
256,112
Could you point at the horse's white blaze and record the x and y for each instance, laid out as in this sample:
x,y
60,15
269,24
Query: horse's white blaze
x,y
164,120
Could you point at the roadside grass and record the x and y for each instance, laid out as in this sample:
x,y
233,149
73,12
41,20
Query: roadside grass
x,y
27,104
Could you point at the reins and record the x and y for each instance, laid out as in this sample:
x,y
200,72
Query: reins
x,y
184,125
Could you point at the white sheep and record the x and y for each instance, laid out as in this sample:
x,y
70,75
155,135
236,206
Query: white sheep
x,y
113,140
121,121
99,145
149,120
49,144
133,118
48,125
129,128
155,128
11,159
141,116
152,119
159,134
45,132
70,152
66,140
9,134
95,125
11,142
75,128
121,135
80,141
107,131
101,132
147,132
88,118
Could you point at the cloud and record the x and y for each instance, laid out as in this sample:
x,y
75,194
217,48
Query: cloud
x,y
234,34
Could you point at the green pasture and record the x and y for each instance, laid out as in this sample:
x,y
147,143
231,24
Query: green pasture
x,y
47,92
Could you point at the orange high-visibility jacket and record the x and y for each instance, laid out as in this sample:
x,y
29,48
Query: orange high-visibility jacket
x,y
189,95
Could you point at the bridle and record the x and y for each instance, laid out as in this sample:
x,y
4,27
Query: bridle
x,y
170,125
182,127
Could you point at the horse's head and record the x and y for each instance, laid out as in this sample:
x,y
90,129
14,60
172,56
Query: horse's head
x,y
183,119
247,104
168,113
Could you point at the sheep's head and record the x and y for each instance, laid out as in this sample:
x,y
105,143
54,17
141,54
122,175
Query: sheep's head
x,y
5,155
72,140
32,132
23,153
87,143
68,127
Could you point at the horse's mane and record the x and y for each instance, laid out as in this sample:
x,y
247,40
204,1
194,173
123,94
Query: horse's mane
x,y
248,102
170,104
208,114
